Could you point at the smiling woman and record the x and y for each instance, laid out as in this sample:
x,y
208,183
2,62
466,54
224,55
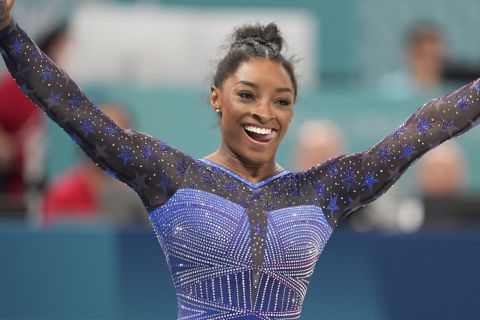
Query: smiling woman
x,y
241,235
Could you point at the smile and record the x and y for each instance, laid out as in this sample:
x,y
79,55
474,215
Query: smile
x,y
262,135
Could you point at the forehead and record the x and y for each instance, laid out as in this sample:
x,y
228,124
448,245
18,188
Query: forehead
x,y
263,72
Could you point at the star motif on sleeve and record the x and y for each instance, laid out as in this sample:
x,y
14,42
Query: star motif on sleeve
x,y
17,46
148,153
399,132
110,129
447,126
53,100
348,179
407,151
353,204
369,180
394,174
320,190
100,151
332,168
46,75
75,101
423,126
163,183
86,126
126,154
332,206
139,181
437,103
384,154
20,71
36,55
462,103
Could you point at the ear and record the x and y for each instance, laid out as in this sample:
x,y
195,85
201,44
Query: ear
x,y
215,98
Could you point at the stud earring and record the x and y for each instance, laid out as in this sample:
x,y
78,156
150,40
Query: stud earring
x,y
217,110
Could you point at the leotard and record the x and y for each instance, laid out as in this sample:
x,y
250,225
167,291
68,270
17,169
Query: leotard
x,y
235,249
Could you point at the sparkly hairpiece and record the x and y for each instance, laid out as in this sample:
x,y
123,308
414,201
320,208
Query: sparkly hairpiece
x,y
257,44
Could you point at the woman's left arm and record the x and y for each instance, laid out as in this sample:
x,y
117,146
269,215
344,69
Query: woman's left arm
x,y
345,183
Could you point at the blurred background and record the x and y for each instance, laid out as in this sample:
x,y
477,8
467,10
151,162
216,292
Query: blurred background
x,y
74,244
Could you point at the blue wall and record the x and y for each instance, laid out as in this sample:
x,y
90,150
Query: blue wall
x,y
98,272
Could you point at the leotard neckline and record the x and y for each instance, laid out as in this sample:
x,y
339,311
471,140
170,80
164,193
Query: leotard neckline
x,y
245,181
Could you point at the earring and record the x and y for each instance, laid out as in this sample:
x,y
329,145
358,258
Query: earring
x,y
217,110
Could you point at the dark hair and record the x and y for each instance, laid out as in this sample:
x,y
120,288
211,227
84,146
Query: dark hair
x,y
423,31
251,41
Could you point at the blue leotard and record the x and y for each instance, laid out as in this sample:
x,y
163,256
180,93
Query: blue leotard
x,y
235,249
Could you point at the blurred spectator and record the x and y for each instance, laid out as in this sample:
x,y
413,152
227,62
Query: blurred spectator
x,y
85,193
442,180
441,171
425,59
21,134
317,141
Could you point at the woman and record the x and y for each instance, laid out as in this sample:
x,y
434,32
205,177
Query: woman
x,y
241,235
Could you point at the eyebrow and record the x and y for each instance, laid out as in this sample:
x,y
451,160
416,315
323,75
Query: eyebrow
x,y
254,85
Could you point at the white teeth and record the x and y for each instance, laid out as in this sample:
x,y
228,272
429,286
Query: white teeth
x,y
258,130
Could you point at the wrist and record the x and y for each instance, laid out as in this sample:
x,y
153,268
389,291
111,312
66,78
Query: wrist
x,y
5,22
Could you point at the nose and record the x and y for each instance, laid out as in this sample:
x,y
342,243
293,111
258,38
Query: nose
x,y
263,113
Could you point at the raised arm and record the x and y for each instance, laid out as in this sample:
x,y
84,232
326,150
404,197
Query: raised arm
x,y
345,183
146,164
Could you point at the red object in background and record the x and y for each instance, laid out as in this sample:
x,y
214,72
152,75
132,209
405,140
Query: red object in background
x,y
70,197
17,113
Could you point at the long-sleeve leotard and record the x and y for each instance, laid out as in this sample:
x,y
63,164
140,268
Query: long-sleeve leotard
x,y
155,170
146,164
345,183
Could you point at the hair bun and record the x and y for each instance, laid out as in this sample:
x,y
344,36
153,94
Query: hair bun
x,y
265,34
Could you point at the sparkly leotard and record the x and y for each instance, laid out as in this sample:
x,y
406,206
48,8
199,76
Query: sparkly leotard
x,y
235,249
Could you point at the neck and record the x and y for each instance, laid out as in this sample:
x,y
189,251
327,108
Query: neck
x,y
249,170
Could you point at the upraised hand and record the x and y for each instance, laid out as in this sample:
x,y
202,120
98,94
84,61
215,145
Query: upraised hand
x,y
5,9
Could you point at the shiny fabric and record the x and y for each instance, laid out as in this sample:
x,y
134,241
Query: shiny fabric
x,y
236,250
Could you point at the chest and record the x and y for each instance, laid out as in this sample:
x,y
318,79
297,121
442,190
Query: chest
x,y
217,230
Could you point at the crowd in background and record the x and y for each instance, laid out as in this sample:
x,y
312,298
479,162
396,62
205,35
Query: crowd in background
x,y
85,194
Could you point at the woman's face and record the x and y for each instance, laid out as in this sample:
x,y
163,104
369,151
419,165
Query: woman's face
x,y
256,107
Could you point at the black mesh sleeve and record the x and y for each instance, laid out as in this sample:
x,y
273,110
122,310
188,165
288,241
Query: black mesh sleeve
x,y
153,169
345,183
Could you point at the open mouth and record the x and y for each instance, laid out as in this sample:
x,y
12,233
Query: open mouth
x,y
257,134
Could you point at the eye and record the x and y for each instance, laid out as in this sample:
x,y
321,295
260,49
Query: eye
x,y
283,102
245,95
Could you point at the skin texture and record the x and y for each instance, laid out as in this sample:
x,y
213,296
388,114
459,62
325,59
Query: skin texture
x,y
259,93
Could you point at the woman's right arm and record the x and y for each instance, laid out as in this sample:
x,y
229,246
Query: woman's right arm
x,y
146,164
